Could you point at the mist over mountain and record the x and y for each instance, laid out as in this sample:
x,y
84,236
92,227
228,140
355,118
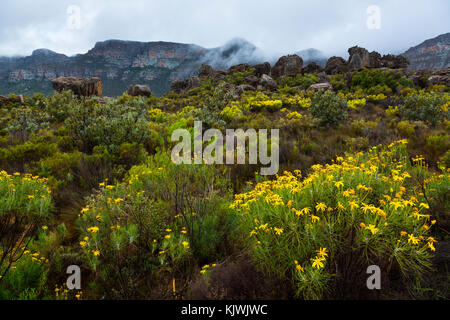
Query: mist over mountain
x,y
120,63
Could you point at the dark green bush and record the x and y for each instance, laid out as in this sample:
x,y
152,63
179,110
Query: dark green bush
x,y
328,107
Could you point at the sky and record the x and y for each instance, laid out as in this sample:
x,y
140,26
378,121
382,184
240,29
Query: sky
x,y
275,27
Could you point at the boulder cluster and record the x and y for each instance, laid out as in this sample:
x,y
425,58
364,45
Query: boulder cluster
x,y
291,65
360,58
264,74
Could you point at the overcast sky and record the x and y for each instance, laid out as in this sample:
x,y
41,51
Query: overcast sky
x,y
277,26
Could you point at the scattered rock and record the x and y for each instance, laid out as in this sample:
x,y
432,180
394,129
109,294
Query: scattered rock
x,y
179,86
238,68
394,62
319,86
244,87
359,58
252,80
140,90
219,75
268,83
440,77
335,65
262,68
7,100
312,68
375,60
289,65
81,87
205,71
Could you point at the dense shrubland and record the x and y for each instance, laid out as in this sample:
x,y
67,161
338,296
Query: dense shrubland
x,y
364,178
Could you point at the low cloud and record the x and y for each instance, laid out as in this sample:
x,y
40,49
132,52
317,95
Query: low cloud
x,y
274,27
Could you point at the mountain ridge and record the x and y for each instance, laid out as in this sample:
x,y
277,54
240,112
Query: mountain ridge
x,y
120,63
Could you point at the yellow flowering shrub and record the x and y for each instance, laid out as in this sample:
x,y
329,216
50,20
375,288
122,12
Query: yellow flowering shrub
x,y
154,223
231,111
356,103
25,204
376,97
365,206
297,100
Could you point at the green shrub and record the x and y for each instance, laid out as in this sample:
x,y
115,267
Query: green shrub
x,y
425,107
303,80
329,107
376,80
406,128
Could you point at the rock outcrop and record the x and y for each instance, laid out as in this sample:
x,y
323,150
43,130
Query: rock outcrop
x,y
205,71
180,86
394,62
359,58
80,87
335,65
289,65
238,68
321,86
7,100
312,68
139,90
441,77
262,68
244,87
268,83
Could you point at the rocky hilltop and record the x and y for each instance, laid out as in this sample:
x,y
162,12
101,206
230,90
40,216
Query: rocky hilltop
x,y
120,63
431,54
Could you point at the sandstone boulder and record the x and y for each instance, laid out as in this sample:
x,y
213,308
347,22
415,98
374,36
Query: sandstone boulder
x,y
335,65
359,58
80,87
289,65
252,80
375,60
262,68
441,77
205,71
321,86
179,86
395,62
268,83
238,68
7,100
139,90
312,68
219,75
244,87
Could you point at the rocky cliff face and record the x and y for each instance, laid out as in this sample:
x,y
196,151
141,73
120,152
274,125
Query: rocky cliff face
x,y
120,63
430,54
117,63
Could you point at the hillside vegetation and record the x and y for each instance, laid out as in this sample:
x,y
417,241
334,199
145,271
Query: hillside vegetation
x,y
363,180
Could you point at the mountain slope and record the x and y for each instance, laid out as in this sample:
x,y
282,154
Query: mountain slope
x,y
121,63
430,54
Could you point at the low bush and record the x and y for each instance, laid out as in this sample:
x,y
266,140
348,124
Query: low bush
x,y
323,231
